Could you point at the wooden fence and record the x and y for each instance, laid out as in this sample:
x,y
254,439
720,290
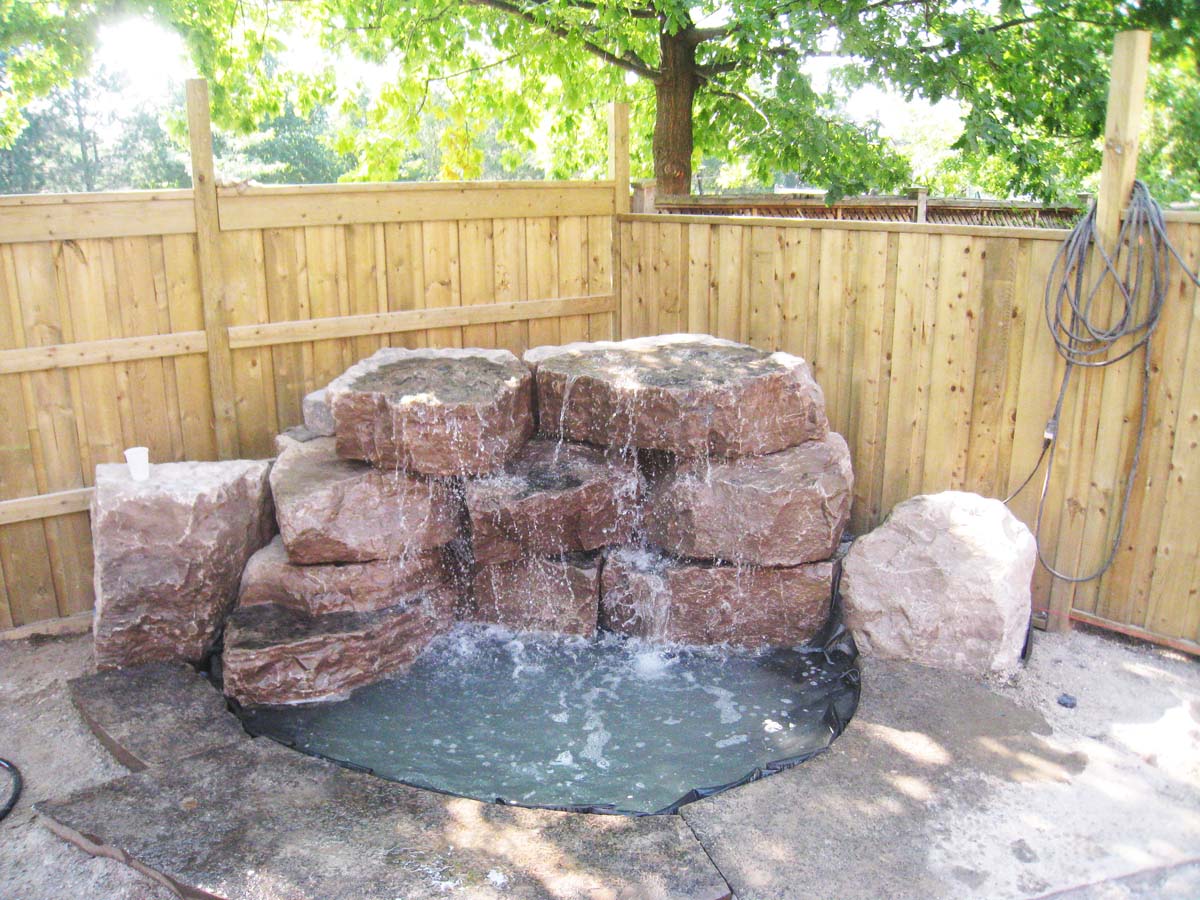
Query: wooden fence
x,y
918,206
937,366
193,322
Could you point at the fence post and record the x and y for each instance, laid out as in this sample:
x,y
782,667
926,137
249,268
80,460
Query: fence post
x,y
1092,461
618,173
212,291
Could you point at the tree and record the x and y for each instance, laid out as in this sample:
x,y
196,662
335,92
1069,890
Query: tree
x,y
716,79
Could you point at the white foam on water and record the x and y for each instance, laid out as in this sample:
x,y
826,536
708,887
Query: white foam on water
x,y
732,741
724,703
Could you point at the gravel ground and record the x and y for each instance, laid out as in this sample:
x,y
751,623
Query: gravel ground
x,y
1137,718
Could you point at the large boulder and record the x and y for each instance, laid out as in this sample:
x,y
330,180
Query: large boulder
x,y
339,510
783,509
436,412
552,498
690,394
663,599
535,594
945,581
169,552
277,654
271,577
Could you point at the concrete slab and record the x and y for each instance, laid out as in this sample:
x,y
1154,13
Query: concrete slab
x,y
258,820
155,714
944,786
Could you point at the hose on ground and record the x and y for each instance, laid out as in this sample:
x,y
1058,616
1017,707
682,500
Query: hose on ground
x,y
1088,337
14,790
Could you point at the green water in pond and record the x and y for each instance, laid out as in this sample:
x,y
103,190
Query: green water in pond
x,y
552,721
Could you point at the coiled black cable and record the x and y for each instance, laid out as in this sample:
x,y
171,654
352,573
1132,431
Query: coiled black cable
x,y
1140,271
14,791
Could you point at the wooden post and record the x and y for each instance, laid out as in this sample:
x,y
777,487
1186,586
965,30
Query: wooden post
x,y
1126,97
618,154
212,292
618,173
1092,463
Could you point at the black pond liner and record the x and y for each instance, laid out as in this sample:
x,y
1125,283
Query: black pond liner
x,y
821,706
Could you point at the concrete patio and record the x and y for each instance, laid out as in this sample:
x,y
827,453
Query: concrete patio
x,y
940,787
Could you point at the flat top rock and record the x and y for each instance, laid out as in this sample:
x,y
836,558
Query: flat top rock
x,y
442,377
180,481
677,362
259,820
155,714
313,464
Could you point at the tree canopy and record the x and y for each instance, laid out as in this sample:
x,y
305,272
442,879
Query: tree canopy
x,y
761,81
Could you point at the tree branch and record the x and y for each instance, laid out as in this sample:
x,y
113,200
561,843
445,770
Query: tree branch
x,y
629,61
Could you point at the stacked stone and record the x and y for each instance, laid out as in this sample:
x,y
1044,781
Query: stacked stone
x,y
368,499
747,492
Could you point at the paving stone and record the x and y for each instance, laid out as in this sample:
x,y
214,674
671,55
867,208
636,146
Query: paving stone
x,y
274,654
538,594
259,821
339,510
437,412
552,498
155,714
653,596
271,577
169,553
690,394
782,509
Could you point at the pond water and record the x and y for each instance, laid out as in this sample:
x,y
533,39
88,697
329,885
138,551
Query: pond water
x,y
611,722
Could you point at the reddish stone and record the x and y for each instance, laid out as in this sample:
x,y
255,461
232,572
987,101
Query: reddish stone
x,y
663,599
690,394
169,553
318,418
536,594
270,577
275,654
339,510
436,412
783,509
550,499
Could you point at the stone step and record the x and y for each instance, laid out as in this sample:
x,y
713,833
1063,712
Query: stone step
x,y
271,577
437,412
276,654
654,596
552,498
259,820
338,510
689,394
783,509
559,595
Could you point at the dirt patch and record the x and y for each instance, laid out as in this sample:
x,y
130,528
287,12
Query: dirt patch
x,y
41,732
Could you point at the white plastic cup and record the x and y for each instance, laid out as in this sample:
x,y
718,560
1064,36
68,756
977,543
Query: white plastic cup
x,y
138,460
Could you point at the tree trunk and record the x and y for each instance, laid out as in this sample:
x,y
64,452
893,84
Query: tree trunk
x,y
675,92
